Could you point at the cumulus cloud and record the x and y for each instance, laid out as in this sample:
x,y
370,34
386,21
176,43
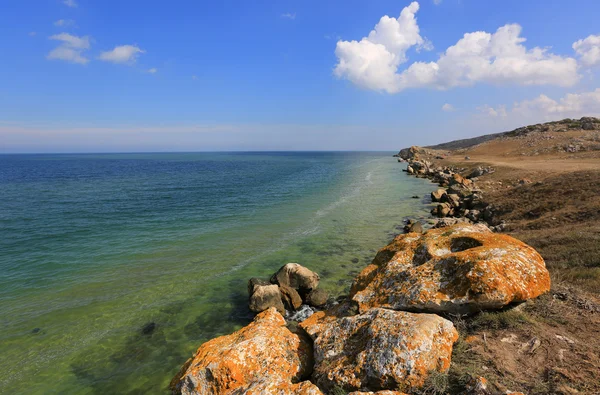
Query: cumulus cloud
x,y
126,54
437,2
496,58
71,48
289,15
588,49
64,22
373,62
499,111
447,107
70,3
543,108
153,70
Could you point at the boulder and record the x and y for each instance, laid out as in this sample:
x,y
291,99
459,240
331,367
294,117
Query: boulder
x,y
378,349
413,227
290,297
264,297
456,269
317,298
255,281
445,222
261,358
437,195
296,276
442,210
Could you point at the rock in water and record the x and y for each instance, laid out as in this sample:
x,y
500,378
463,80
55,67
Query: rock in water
x,y
437,195
262,358
414,227
296,276
317,298
264,297
290,297
456,269
379,349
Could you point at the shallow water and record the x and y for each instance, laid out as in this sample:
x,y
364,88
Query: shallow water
x,y
94,247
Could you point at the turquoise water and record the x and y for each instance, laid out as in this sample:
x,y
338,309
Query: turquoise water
x,y
94,247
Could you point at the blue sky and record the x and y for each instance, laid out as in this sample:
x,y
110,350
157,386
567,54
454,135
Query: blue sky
x,y
95,76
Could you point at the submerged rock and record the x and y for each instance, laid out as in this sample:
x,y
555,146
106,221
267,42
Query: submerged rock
x,y
262,358
149,328
457,269
379,349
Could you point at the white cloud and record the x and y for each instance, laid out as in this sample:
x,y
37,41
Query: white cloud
x,y
64,22
589,50
195,77
572,105
544,108
497,58
72,41
499,111
70,3
447,107
153,70
71,48
373,62
32,34
289,15
127,54
437,2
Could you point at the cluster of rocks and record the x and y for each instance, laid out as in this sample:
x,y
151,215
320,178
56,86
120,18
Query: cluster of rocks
x,y
458,200
388,336
292,291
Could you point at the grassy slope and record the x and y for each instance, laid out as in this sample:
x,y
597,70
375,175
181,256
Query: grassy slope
x,y
551,199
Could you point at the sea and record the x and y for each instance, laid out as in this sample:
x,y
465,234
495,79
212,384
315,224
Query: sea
x,y
115,268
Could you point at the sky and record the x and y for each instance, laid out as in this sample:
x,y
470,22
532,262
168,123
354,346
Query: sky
x,y
187,75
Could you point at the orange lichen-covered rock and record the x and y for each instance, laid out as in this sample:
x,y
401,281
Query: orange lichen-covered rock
x,y
460,269
261,358
379,349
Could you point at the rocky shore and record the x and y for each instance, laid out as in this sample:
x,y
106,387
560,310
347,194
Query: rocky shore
x,y
391,335
458,199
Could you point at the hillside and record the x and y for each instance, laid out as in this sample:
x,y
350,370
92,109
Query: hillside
x,y
542,183
565,125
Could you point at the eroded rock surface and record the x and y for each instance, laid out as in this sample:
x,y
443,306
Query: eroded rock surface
x,y
263,297
261,358
457,269
296,276
379,349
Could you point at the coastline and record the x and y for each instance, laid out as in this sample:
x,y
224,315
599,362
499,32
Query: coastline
x,y
494,349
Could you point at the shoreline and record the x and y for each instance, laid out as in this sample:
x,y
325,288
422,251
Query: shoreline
x,y
497,350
